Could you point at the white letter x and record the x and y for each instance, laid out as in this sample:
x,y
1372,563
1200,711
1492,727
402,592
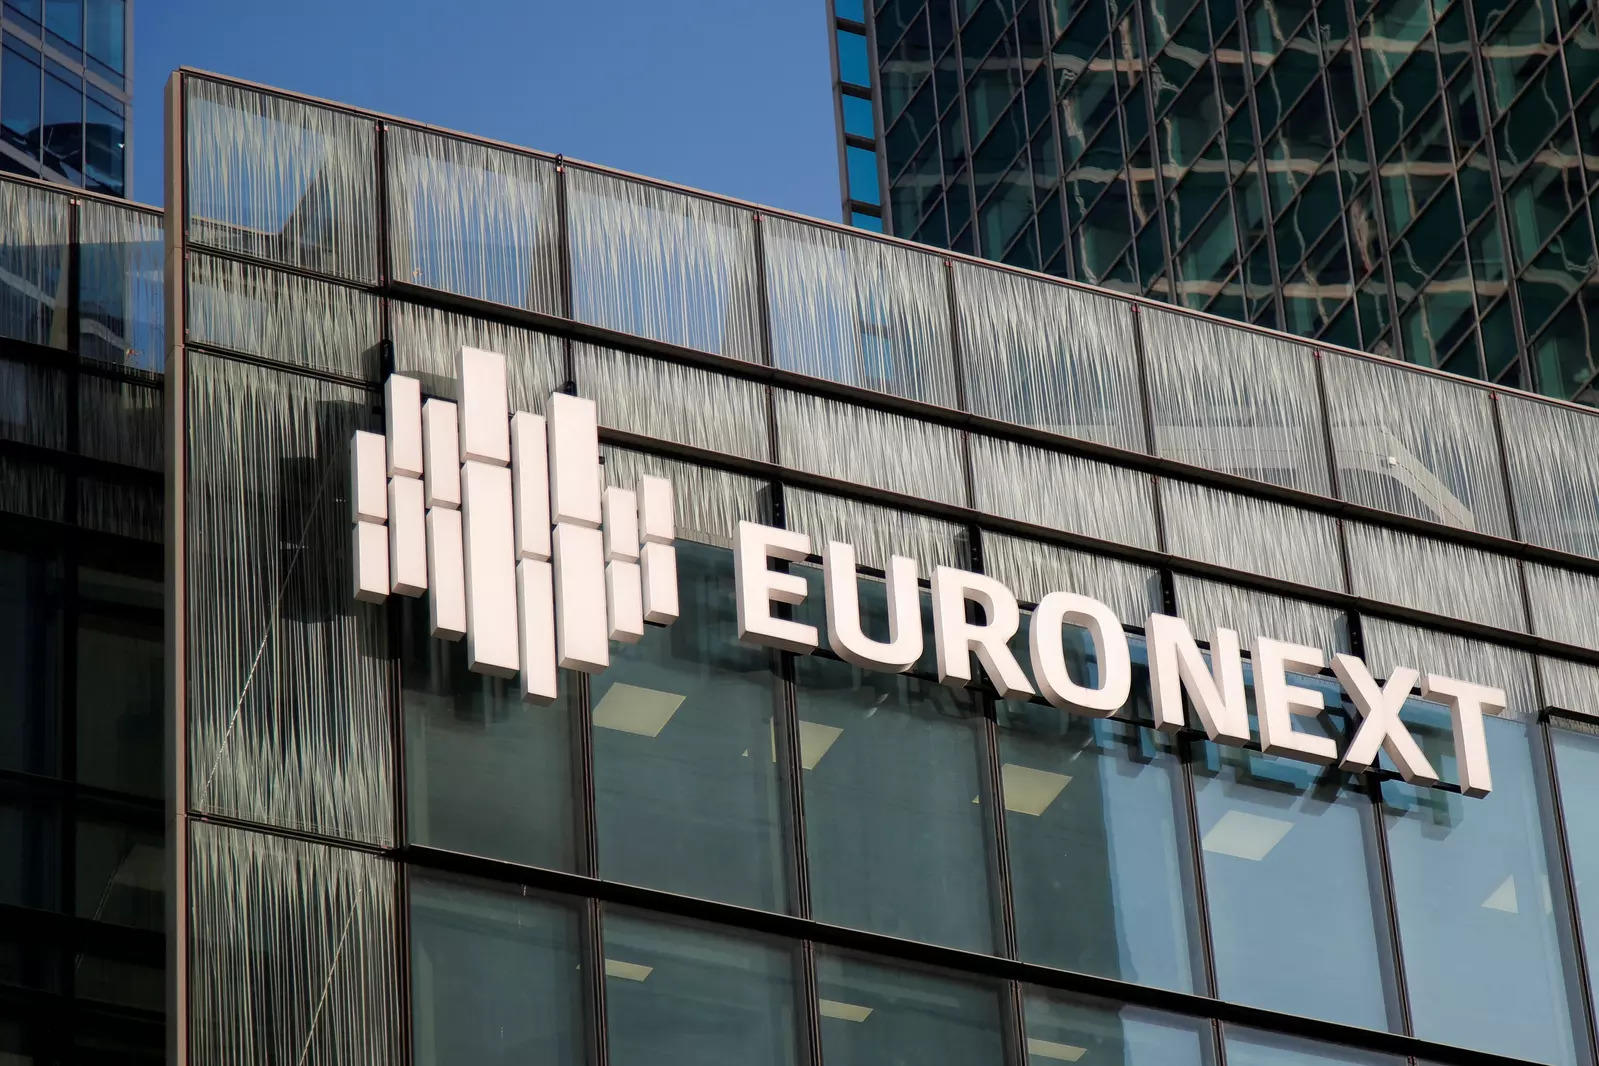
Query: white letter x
x,y
1378,710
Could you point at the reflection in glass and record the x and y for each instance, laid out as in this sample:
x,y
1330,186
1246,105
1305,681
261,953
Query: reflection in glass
x,y
1092,817
894,804
20,100
62,132
685,775
121,872
30,657
1577,764
677,995
1248,1047
877,1016
485,773
495,979
106,27
1285,848
1062,1029
1480,939
105,145
120,682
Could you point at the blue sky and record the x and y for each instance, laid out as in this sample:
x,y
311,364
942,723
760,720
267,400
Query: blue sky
x,y
727,95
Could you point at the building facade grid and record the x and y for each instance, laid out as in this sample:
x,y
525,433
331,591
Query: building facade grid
x,y
394,774
1409,178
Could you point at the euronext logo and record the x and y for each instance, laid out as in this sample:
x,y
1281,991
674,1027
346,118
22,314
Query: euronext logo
x,y
502,519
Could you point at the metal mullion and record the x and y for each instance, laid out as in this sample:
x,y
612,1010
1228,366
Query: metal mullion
x,y
957,52
808,1004
1363,121
592,959
879,119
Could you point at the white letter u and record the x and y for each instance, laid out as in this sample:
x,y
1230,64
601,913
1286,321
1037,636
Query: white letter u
x,y
844,634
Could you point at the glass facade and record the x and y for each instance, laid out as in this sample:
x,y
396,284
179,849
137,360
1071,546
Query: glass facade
x,y
65,91
709,852
1404,177
83,892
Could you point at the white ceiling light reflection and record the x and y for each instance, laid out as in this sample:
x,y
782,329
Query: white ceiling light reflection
x,y
627,971
1503,898
814,740
1245,836
844,1012
634,709
1029,791
1049,1049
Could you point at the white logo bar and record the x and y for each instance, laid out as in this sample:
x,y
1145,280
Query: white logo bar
x,y
502,518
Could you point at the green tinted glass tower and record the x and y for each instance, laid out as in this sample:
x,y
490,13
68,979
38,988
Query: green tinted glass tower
x,y
1407,177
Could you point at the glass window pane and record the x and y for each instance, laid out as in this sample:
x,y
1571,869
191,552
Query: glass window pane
x,y
1577,763
679,995
686,783
63,127
1246,1047
30,661
1091,815
64,18
485,773
104,150
495,977
1061,1029
120,872
20,101
862,167
106,26
861,220
873,1016
120,681
891,769
1284,846
1471,887
858,116
853,66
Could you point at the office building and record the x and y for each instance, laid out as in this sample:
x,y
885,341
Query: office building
x,y
65,90
709,848
1404,177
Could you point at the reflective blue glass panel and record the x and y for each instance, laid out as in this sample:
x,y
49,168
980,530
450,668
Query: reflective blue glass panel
x,y
862,167
857,116
853,66
1480,940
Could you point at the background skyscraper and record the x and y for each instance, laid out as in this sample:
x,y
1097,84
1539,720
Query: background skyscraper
x,y
1408,177
65,91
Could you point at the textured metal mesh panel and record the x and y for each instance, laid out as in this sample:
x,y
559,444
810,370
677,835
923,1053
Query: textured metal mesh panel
x,y
33,404
290,682
1235,400
1033,570
427,342
876,532
660,264
128,509
120,421
1431,575
292,952
673,402
1208,604
709,503
281,180
33,265
1063,492
1049,356
122,291
1432,454
1250,534
1570,686
1565,604
1554,473
473,220
876,448
859,311
284,317
1390,645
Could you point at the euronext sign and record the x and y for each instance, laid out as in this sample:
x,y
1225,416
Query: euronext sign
x,y
539,566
